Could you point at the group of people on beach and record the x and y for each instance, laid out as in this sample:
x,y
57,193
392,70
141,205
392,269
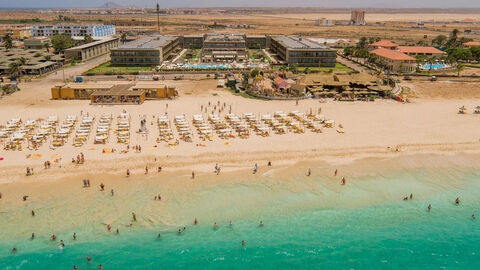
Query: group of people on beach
x,y
80,159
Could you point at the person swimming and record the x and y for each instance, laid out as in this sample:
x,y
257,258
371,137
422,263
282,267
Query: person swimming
x,y
89,260
473,217
62,244
260,224
14,250
53,237
215,225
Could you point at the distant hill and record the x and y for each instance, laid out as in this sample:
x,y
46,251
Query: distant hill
x,y
109,5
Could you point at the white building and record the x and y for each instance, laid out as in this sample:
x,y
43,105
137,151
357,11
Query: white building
x,y
324,22
73,30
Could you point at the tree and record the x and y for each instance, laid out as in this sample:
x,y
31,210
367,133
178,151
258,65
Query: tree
x,y
14,69
123,38
47,57
460,67
87,38
439,41
47,46
254,73
306,70
8,41
362,43
62,42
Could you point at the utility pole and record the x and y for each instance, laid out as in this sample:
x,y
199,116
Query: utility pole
x,y
158,18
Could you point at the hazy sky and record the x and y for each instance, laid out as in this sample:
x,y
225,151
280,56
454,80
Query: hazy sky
x,y
245,3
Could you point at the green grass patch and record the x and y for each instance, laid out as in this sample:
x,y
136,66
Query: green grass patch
x,y
108,69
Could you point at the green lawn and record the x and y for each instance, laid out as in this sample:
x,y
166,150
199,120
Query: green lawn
x,y
108,69
338,68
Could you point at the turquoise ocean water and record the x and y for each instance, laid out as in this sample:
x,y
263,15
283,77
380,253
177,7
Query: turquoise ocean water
x,y
389,235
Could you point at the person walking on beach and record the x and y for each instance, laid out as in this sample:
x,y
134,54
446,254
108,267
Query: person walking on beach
x,y
112,192
255,168
411,196
102,187
33,213
146,170
193,175
309,172
344,181
128,173
134,216
33,236
336,171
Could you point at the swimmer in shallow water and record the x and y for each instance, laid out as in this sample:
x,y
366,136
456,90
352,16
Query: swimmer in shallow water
x,y
457,201
243,243
261,224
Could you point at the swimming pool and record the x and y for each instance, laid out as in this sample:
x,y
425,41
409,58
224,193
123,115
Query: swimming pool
x,y
433,66
207,66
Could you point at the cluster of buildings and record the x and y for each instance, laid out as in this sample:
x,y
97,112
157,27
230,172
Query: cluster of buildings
x,y
37,62
402,58
224,48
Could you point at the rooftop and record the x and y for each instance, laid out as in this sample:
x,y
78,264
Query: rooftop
x,y
297,42
384,44
91,44
224,37
392,55
419,49
148,42
472,44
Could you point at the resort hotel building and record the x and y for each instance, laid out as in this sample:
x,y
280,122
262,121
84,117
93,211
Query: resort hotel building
x,y
224,48
302,52
146,51
72,30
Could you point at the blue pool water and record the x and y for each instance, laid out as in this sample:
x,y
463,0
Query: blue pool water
x,y
433,66
207,66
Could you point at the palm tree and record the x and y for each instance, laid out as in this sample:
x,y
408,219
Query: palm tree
x,y
14,69
459,68
123,38
8,41
47,46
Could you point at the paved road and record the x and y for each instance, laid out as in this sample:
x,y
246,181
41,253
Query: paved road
x,y
72,71
352,65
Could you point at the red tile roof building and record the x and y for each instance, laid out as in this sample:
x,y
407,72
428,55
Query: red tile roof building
x,y
396,61
472,44
420,50
384,44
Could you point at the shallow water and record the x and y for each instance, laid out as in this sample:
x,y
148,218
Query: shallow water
x,y
305,227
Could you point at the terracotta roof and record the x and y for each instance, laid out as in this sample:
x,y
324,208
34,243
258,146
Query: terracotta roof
x,y
392,55
471,44
384,44
419,49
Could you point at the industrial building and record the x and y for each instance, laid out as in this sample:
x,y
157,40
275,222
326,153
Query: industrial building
x,y
224,48
147,51
99,30
358,17
302,52
93,49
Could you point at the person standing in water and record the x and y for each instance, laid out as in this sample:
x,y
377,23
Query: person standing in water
x,y
195,222
429,207
473,217
243,243
457,201
74,236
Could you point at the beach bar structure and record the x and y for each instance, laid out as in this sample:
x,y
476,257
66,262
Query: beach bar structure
x,y
85,91
117,97
302,52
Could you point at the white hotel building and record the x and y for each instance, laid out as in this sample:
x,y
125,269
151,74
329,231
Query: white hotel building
x,y
73,30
